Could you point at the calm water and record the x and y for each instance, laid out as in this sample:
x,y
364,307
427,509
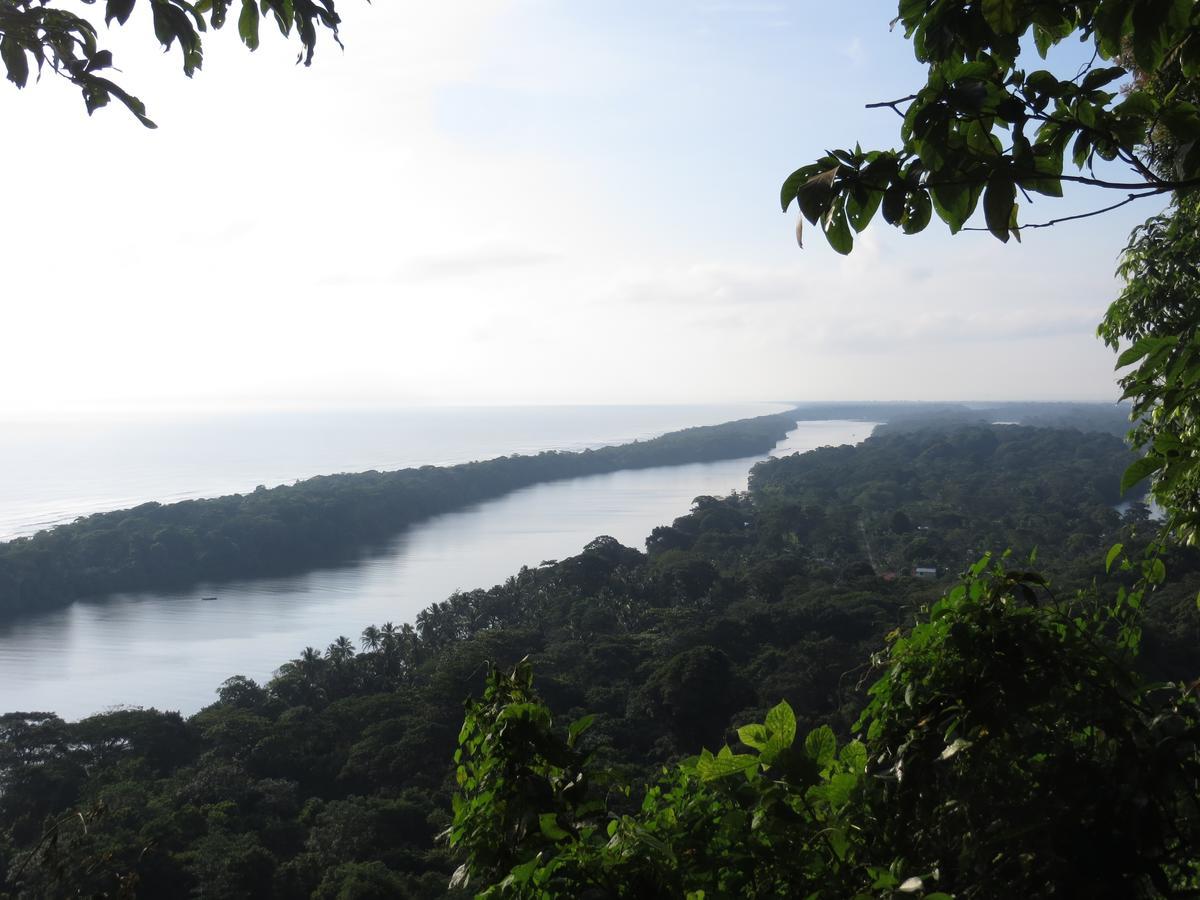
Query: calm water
x,y
51,472
173,650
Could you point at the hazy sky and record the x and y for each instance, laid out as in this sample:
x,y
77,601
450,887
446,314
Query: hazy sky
x,y
527,202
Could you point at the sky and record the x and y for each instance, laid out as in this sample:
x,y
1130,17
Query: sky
x,y
524,202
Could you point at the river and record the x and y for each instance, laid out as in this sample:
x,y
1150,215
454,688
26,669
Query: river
x,y
172,650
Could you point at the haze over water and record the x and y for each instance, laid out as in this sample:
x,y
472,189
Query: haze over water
x,y
172,650
55,471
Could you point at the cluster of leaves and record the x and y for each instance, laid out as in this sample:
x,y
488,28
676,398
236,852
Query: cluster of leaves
x,y
983,128
35,31
767,822
1009,749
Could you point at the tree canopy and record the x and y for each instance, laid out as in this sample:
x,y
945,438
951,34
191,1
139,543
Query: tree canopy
x,y
985,127
37,34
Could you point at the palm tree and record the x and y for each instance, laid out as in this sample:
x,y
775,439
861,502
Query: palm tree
x,y
389,640
340,650
371,638
310,662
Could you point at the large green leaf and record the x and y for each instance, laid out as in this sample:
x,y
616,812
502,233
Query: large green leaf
x,y
837,232
1142,347
248,24
821,745
999,198
710,767
816,193
1001,15
1140,470
15,60
781,723
952,202
119,10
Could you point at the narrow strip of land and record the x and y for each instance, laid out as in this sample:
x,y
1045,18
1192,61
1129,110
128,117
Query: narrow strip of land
x,y
295,528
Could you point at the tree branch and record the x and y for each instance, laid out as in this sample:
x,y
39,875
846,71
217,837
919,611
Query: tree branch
x,y
1086,215
893,105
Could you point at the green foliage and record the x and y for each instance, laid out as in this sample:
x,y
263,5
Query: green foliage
x,y
336,775
762,823
1012,736
1009,749
1158,316
35,31
983,127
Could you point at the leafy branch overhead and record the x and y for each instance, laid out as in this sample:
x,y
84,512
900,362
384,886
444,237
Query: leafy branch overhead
x,y
35,36
983,129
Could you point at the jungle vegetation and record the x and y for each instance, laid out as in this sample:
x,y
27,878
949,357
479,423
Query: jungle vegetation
x,y
1013,742
753,707
336,778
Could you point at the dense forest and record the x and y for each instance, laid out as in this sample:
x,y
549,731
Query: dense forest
x,y
335,779
317,521
1110,418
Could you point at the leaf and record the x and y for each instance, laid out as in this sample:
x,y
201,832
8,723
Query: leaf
x,y
893,204
1140,470
781,723
548,823
816,194
1138,104
753,736
854,757
1149,33
1043,39
100,60
918,213
248,24
119,10
952,202
999,198
1098,78
1001,15
791,185
821,745
861,206
838,789
911,885
15,60
710,767
1113,553
1111,18
837,232
1182,119
1143,347
578,727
